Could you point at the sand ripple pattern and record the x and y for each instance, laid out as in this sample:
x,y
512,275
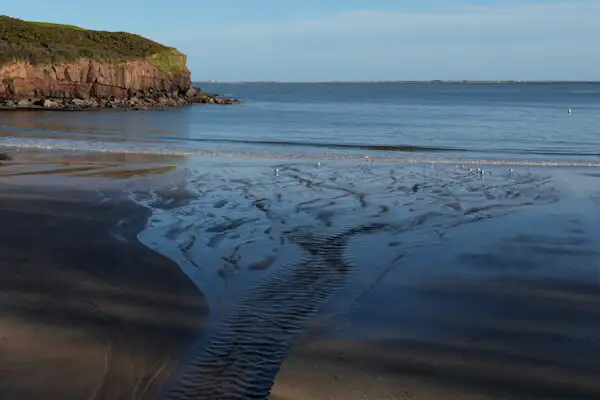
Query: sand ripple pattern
x,y
281,245
242,361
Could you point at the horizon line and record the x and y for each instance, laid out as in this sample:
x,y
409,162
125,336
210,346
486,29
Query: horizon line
x,y
434,81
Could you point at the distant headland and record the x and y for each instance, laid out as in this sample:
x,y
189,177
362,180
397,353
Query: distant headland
x,y
64,67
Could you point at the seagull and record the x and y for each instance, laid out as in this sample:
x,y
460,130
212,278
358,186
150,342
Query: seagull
x,y
276,171
319,164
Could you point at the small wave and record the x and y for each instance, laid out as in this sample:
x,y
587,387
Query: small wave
x,y
161,149
388,147
170,145
341,146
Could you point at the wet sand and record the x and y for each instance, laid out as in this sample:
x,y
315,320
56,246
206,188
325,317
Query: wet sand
x,y
505,308
87,311
367,280
501,340
340,280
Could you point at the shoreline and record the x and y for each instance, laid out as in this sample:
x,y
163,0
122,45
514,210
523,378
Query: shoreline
x,y
135,101
291,157
87,309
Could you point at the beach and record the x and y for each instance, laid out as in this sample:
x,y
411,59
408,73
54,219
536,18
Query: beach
x,y
315,242
150,277
87,310
371,280
503,308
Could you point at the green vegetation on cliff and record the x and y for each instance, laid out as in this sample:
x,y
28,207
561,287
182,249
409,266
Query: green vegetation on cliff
x,y
47,43
53,25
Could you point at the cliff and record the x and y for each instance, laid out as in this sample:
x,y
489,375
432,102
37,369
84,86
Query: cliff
x,y
61,62
87,78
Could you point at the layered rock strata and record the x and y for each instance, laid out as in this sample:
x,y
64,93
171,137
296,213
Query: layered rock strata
x,y
90,84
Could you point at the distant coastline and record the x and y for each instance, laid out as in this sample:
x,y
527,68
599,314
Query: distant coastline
x,y
423,82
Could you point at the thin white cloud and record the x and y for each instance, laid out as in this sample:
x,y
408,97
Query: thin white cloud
x,y
504,39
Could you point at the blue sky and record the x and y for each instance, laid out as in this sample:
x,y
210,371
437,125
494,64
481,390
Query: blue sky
x,y
321,40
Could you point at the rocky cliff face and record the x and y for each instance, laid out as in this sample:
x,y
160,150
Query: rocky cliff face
x,y
86,79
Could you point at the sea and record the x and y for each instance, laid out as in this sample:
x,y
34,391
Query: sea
x,y
519,122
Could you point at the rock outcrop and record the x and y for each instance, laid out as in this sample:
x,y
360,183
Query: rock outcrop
x,y
46,66
135,100
90,84
86,79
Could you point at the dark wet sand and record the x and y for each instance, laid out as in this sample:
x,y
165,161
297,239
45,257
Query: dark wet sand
x,y
507,308
342,281
86,311
554,360
333,281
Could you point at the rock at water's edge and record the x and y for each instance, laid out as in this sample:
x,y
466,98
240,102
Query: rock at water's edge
x,y
89,84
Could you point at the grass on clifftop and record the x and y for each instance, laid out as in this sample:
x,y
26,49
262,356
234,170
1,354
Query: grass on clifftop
x,y
53,25
47,43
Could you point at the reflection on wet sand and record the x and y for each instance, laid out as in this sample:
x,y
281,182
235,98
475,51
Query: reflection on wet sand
x,y
339,280
111,166
506,339
308,247
503,309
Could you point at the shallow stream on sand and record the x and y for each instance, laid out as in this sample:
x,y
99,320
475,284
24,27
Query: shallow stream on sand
x,y
276,246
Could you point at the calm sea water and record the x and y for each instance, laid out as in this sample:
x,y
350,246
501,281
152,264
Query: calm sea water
x,y
439,121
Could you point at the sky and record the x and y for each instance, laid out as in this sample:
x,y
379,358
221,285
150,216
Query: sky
x,y
352,40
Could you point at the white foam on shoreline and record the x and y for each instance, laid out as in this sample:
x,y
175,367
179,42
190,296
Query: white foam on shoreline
x,y
170,150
